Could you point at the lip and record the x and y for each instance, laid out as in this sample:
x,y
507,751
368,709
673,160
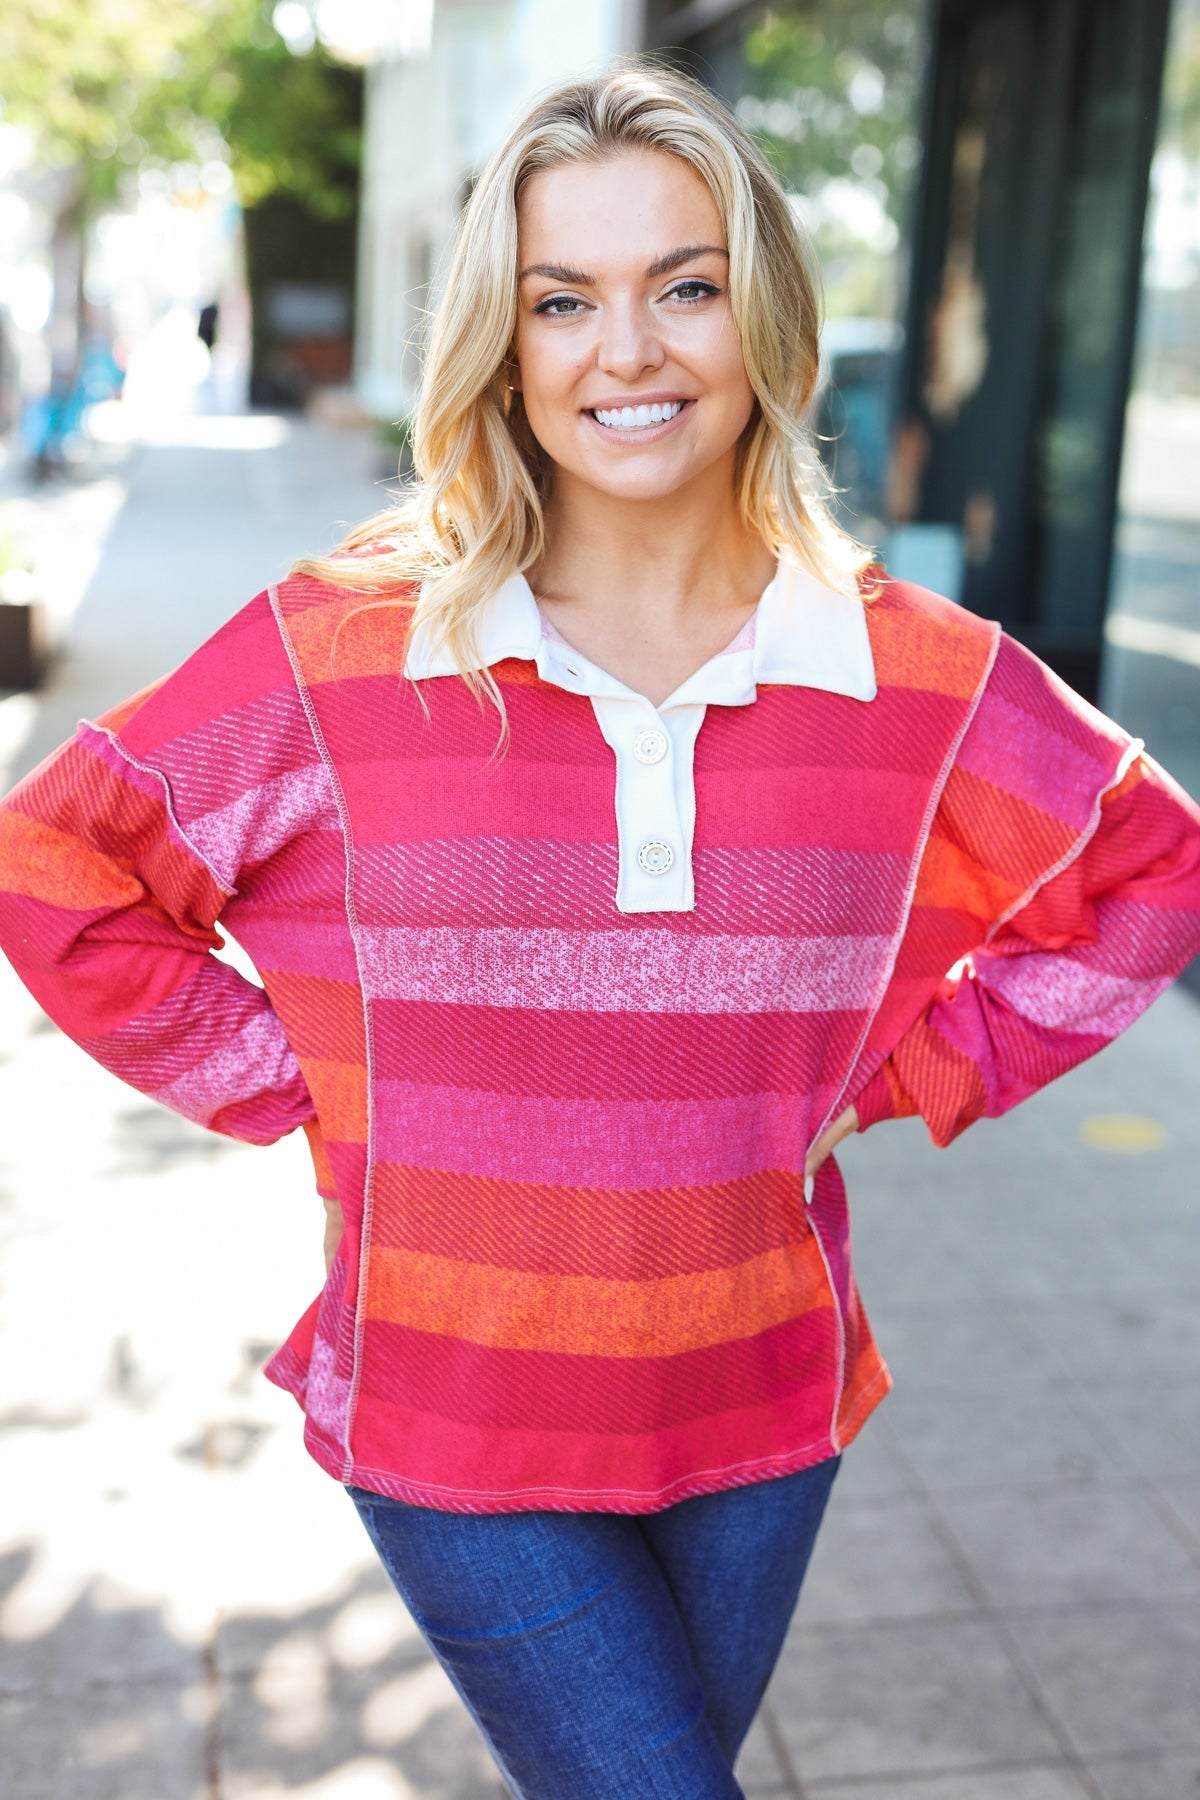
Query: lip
x,y
645,434
666,397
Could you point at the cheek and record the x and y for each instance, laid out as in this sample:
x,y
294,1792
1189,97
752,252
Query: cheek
x,y
727,356
549,365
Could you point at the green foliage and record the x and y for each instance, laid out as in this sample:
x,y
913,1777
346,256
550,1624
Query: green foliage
x,y
108,85
292,124
836,88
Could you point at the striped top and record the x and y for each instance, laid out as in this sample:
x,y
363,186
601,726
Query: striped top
x,y
578,1270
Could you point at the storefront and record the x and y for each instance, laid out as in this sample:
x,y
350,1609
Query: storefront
x,y
1151,671
975,173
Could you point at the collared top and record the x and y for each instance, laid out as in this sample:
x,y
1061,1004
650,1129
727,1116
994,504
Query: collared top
x,y
802,634
569,1142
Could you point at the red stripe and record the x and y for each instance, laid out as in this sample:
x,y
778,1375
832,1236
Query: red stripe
x,y
542,1391
252,661
474,1468
440,798
623,1234
605,1056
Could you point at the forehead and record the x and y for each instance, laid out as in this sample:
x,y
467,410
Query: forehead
x,y
639,201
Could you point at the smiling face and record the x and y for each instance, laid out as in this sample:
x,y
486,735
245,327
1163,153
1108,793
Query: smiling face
x,y
628,358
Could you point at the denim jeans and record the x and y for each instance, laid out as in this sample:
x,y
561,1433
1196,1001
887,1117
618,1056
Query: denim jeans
x,y
608,1656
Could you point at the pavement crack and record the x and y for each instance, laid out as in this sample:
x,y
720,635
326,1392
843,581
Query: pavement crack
x,y
212,1714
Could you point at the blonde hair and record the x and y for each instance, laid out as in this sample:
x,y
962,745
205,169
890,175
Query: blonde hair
x,y
473,516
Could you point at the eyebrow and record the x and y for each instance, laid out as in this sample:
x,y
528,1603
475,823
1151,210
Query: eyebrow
x,y
662,265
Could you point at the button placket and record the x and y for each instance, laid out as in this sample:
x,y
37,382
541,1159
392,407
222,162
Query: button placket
x,y
652,854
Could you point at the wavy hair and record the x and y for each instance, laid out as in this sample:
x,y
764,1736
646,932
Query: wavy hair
x,y
473,515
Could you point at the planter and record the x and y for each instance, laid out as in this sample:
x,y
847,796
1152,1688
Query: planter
x,y
23,634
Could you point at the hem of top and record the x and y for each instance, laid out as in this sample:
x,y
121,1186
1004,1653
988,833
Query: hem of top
x,y
864,1403
390,1486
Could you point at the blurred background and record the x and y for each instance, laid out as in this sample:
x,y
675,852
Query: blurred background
x,y
222,224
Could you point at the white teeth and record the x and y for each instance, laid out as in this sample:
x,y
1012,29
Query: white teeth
x,y
637,418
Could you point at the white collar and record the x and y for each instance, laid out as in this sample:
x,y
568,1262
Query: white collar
x,y
805,635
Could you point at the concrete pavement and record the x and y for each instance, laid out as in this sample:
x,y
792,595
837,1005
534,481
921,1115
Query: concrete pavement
x,y
1005,1601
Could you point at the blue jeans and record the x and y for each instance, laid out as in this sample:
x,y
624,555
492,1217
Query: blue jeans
x,y
608,1656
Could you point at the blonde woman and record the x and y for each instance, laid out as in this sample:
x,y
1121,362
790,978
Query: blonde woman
x,y
603,830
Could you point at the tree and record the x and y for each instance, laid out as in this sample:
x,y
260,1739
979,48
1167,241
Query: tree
x,y
107,86
104,85
830,92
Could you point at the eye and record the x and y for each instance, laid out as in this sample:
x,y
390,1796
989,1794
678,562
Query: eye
x,y
689,292
550,307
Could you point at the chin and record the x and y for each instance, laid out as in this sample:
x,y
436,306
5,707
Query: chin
x,y
636,485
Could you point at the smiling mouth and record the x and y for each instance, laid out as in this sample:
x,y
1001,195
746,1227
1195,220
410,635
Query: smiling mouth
x,y
637,418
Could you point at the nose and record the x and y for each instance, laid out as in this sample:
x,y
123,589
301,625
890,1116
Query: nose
x,y
629,341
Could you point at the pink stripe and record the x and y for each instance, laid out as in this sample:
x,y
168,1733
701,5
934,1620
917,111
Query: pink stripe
x,y
232,668
437,798
292,945
864,810
593,1143
257,823
635,970
1012,751
211,766
1061,994
256,1059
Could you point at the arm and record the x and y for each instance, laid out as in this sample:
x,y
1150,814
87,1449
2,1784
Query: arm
x,y
1061,977
108,906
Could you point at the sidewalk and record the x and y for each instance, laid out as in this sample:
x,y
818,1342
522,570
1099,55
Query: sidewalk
x,y
1005,1601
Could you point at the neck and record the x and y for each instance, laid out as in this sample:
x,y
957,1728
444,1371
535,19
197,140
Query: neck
x,y
668,558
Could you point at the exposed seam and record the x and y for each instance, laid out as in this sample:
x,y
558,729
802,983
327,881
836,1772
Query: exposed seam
x,y
314,726
149,769
1129,756
841,1331
935,795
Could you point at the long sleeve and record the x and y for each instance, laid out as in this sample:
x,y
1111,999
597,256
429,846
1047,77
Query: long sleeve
x,y
1052,980
108,909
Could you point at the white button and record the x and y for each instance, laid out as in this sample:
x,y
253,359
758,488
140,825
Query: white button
x,y
656,858
650,746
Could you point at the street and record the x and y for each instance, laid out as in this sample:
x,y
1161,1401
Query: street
x,y
1005,1601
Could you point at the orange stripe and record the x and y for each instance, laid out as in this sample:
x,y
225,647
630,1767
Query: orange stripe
x,y
339,1093
42,863
913,650
587,1315
951,877
351,635
322,1017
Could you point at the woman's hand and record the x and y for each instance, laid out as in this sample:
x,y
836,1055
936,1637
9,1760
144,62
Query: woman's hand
x,y
333,1231
830,1138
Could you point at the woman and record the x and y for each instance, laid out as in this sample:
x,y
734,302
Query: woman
x,y
603,828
